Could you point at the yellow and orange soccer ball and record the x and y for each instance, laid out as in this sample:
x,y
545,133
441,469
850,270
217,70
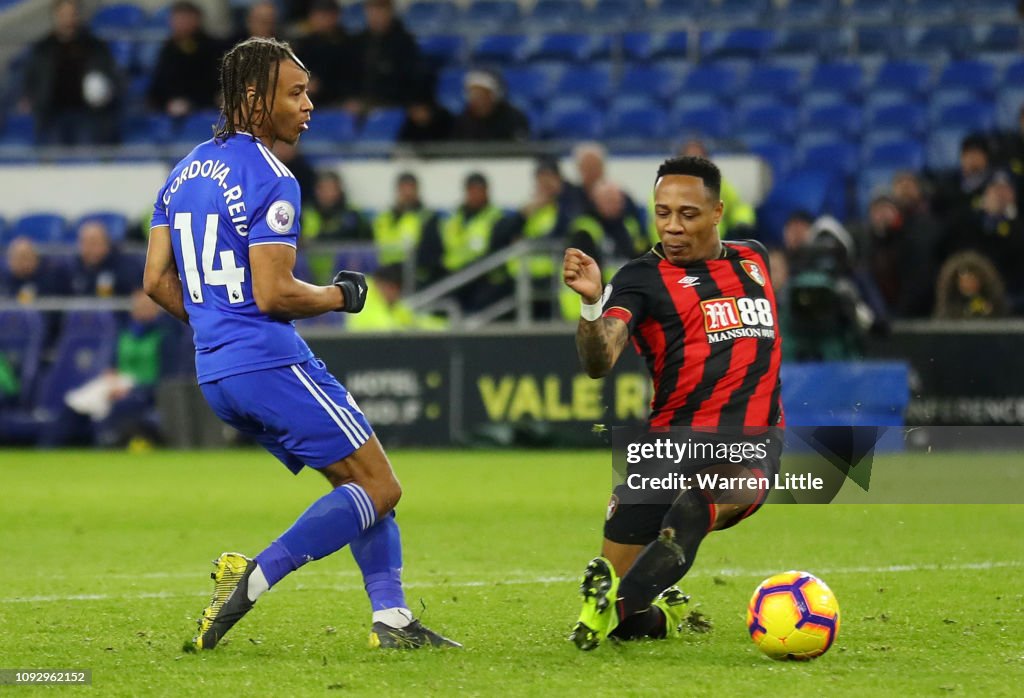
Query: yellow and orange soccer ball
x,y
793,615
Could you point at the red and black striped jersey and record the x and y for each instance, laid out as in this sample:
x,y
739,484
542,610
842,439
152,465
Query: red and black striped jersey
x,y
709,333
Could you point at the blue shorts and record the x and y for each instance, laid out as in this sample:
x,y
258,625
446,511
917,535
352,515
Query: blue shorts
x,y
300,413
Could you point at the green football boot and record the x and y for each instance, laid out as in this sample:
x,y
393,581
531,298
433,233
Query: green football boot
x,y
672,603
599,588
229,603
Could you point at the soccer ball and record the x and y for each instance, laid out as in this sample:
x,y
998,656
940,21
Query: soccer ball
x,y
793,615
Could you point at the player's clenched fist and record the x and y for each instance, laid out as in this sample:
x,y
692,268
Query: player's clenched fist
x,y
581,273
353,288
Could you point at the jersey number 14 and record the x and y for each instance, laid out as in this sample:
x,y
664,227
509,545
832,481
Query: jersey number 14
x,y
230,275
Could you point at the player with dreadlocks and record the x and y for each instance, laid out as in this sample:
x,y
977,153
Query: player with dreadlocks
x,y
221,258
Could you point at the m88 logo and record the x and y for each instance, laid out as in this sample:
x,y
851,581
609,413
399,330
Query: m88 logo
x,y
721,314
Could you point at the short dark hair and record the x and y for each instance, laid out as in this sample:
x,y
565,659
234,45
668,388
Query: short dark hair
x,y
974,141
186,6
255,61
701,168
475,178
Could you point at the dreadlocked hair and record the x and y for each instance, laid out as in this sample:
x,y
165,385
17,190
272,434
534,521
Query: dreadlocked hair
x,y
256,62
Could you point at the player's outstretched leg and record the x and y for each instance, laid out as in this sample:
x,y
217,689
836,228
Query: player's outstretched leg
x,y
332,522
600,589
378,552
229,603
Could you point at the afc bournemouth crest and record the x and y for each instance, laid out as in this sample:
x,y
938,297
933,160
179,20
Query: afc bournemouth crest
x,y
753,270
613,504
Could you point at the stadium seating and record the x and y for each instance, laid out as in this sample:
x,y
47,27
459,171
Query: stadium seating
x,y
840,156
489,16
42,228
845,79
499,48
656,81
842,119
900,154
19,129
593,81
331,126
382,125
708,121
751,44
814,13
22,333
548,15
636,119
442,49
117,20
115,223
429,16
572,118
773,81
909,117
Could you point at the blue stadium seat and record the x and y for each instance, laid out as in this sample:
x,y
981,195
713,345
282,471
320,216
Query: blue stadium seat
x,y
931,11
775,81
442,49
450,86
636,46
490,16
811,41
841,118
19,129
554,15
123,52
593,81
429,16
869,12
814,13
672,13
839,156
909,117
779,156
904,154
846,79
572,119
972,115
617,14
993,11
353,17
871,40
42,228
158,23
653,80
499,48
717,80
565,46
1009,104
996,38
779,120
709,120
673,44
148,129
197,127
944,148
534,83
968,74
751,44
736,13
909,77
115,223
635,121
119,20
382,125
147,53
937,42
331,126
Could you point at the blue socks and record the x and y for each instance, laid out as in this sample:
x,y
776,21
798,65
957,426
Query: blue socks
x,y
378,552
331,523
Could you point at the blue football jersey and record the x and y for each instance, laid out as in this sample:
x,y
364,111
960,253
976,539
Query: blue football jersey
x,y
223,198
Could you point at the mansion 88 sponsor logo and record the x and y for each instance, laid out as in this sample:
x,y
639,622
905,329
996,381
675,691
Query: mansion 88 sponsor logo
x,y
731,318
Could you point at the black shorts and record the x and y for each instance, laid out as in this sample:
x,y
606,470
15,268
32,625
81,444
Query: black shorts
x,y
639,524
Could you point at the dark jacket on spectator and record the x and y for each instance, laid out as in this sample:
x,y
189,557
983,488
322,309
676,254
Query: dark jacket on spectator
x,y
117,275
389,63
187,70
505,123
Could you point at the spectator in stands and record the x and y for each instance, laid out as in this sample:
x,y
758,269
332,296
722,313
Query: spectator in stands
x,y
71,83
961,190
488,116
261,19
610,229
330,217
426,121
28,276
899,251
464,238
118,405
738,217
299,166
796,235
185,77
590,158
329,53
384,310
399,231
970,287
1011,150
387,57
996,230
100,269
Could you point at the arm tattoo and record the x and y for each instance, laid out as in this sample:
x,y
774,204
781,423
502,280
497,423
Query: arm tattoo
x,y
599,344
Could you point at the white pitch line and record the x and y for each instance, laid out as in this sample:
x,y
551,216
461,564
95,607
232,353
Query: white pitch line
x,y
546,579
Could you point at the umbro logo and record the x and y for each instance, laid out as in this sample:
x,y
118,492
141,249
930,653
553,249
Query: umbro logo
x,y
689,281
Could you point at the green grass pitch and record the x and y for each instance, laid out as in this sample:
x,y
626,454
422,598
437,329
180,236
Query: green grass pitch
x,y
104,564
